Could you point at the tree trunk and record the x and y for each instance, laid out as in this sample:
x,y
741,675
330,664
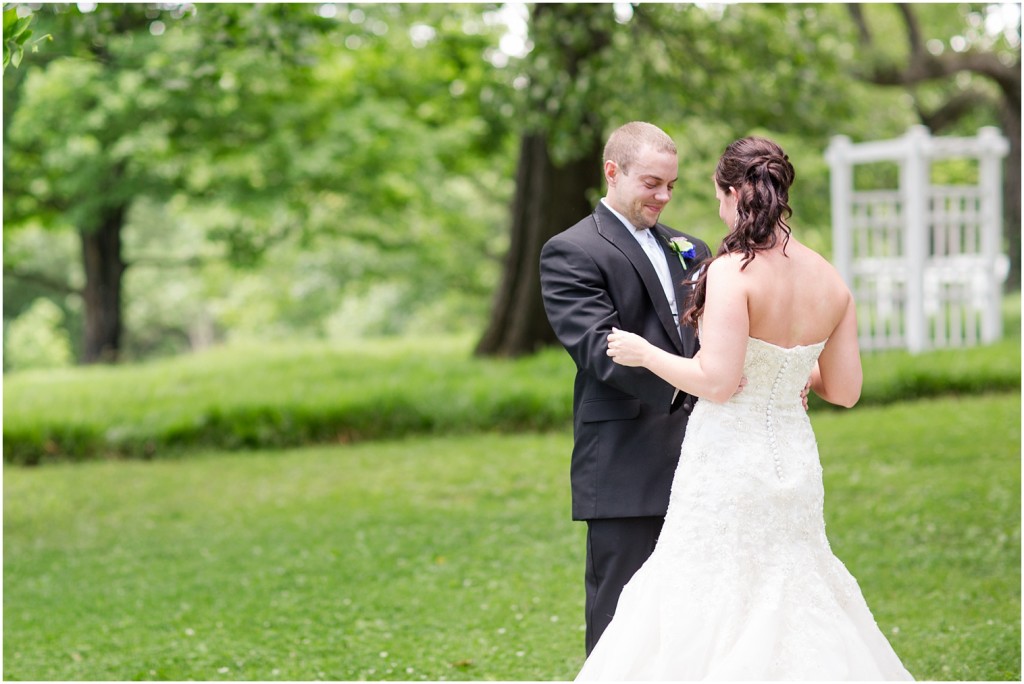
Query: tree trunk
x,y
104,270
549,196
548,199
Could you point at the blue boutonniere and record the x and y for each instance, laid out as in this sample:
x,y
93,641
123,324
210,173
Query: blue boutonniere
x,y
683,248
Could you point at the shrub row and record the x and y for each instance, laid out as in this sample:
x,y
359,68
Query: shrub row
x,y
892,377
253,427
239,399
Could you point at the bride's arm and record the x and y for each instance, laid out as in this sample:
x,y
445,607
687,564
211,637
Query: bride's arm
x,y
716,372
838,376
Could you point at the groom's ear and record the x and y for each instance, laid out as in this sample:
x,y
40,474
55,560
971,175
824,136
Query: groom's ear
x,y
611,172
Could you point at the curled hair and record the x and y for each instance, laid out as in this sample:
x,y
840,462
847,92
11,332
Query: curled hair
x,y
761,174
628,141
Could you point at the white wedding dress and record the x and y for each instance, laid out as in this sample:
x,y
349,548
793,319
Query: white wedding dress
x,y
743,584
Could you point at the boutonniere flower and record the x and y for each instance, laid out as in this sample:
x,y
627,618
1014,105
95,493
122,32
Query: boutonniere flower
x,y
683,248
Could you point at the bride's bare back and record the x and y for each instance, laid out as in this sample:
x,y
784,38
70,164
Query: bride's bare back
x,y
793,299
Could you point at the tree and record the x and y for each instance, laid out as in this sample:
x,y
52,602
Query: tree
x,y
944,64
146,94
366,144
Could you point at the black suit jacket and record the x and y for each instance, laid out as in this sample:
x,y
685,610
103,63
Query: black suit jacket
x,y
627,427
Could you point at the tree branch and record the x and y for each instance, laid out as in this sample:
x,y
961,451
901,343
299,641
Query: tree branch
x,y
857,14
924,66
41,280
953,109
165,262
917,50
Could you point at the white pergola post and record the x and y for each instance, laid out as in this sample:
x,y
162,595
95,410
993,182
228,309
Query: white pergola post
x,y
841,187
915,181
992,147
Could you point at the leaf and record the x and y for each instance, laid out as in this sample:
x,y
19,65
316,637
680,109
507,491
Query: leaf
x,y
16,30
16,35
10,19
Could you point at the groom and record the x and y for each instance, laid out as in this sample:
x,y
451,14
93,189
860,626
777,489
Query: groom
x,y
620,267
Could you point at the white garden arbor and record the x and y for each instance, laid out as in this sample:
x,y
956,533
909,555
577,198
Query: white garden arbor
x,y
924,261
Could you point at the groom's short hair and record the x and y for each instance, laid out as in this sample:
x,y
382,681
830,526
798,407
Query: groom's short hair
x,y
627,142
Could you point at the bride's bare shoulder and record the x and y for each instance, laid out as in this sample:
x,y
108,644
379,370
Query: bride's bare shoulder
x,y
730,262
726,272
815,268
809,257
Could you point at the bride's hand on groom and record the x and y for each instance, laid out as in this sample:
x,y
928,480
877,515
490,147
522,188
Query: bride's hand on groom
x,y
626,348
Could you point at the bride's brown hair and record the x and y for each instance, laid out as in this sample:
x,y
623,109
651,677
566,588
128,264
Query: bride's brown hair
x,y
761,174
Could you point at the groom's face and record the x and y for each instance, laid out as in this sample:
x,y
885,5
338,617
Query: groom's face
x,y
641,191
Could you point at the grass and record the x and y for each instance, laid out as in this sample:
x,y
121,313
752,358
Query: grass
x,y
443,558
249,397
453,557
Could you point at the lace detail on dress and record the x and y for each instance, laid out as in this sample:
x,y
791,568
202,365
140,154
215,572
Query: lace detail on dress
x,y
743,583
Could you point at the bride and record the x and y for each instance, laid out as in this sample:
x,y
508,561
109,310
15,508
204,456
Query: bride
x,y
743,583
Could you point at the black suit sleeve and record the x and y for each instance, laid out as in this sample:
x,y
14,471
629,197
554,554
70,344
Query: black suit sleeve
x,y
582,314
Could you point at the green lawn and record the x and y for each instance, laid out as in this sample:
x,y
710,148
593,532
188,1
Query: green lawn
x,y
454,557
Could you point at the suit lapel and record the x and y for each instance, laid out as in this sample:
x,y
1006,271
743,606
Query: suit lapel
x,y
679,276
612,229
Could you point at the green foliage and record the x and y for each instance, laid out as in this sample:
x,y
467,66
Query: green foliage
x,y
46,256
147,94
745,66
16,36
37,338
453,558
254,395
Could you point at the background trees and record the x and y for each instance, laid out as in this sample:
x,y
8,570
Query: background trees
x,y
210,135
175,175
128,109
